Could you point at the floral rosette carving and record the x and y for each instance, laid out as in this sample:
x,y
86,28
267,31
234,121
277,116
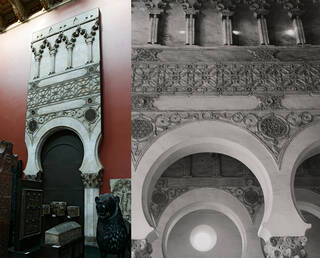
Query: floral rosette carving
x,y
274,129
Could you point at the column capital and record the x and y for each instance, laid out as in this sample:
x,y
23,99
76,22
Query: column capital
x,y
155,7
226,13
294,7
70,45
259,7
225,6
141,248
91,180
191,7
53,51
286,247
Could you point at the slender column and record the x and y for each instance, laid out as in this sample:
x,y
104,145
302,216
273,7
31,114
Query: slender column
x,y
295,10
89,42
70,50
191,14
154,16
286,247
53,53
155,9
92,183
37,58
261,10
263,30
227,26
298,28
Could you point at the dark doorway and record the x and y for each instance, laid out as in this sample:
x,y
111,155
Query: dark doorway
x,y
61,158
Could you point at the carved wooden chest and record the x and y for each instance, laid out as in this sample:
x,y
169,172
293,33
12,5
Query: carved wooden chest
x,y
63,234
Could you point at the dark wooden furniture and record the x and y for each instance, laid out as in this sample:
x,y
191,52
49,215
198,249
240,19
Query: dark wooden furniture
x,y
74,249
7,162
29,220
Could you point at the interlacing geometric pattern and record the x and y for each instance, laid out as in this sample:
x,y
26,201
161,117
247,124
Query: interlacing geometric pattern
x,y
226,78
85,85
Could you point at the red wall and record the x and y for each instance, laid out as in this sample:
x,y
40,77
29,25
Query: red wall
x,y
15,56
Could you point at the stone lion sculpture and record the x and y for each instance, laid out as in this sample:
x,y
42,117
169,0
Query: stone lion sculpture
x,y
113,237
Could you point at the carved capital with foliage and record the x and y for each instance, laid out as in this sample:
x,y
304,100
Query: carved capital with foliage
x,y
91,180
141,249
286,247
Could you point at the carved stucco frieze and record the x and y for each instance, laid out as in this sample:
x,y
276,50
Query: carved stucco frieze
x,y
141,249
249,194
92,180
122,188
145,54
271,102
274,129
264,54
86,87
286,247
252,78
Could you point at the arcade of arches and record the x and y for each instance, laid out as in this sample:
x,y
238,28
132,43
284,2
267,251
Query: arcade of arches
x,y
225,128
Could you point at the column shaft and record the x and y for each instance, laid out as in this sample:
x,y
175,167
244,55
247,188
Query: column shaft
x,y
263,30
298,28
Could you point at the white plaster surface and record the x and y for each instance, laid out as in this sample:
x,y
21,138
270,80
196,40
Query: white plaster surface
x,y
206,102
90,213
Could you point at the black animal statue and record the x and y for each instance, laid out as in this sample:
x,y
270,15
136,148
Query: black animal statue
x,y
113,237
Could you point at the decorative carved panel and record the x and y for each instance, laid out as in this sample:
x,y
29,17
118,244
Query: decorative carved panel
x,y
65,87
225,78
274,129
122,188
31,210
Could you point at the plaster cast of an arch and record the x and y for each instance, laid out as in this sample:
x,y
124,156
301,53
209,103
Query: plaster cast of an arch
x,y
303,146
91,162
308,200
200,136
225,138
208,199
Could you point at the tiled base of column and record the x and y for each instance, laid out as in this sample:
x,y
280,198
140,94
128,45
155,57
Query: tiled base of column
x,y
285,247
141,249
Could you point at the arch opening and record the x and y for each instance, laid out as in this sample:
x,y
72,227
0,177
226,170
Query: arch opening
x,y
61,156
307,196
189,176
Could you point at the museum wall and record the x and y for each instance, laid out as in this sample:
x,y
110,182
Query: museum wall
x,y
15,60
